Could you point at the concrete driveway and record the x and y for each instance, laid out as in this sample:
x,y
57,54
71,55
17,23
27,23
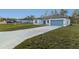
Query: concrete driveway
x,y
10,39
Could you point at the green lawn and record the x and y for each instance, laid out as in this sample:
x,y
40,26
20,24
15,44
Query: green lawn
x,y
66,37
10,27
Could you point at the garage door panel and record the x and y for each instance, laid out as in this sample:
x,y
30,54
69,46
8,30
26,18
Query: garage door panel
x,y
57,22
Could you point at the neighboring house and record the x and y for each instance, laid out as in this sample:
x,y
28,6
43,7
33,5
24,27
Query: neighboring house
x,y
10,21
3,22
53,22
24,21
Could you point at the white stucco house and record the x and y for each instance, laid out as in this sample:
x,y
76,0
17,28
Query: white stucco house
x,y
24,21
53,22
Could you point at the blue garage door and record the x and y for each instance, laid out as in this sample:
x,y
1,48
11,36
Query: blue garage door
x,y
57,22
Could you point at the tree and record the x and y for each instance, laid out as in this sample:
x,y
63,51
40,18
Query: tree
x,y
76,13
63,12
42,17
2,19
29,17
75,16
32,17
45,15
54,13
11,19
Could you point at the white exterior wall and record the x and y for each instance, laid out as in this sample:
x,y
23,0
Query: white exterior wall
x,y
37,22
65,21
48,22
68,21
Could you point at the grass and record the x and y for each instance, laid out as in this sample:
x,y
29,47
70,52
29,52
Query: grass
x,y
11,27
63,38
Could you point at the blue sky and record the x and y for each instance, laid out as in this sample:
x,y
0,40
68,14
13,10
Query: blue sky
x,y
21,13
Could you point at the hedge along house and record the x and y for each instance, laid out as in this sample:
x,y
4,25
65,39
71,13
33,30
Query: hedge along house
x,y
53,21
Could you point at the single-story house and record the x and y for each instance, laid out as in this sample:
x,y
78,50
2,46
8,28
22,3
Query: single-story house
x,y
3,22
24,21
53,22
10,21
